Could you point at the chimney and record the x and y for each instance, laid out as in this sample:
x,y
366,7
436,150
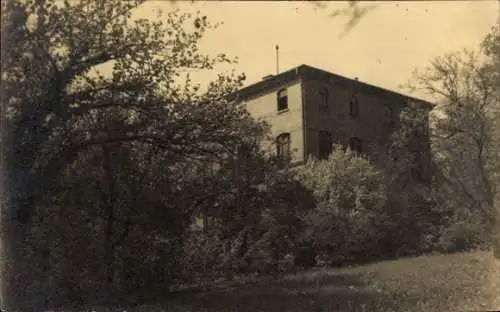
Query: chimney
x,y
277,60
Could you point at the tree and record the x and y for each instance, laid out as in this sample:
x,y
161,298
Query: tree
x,y
68,123
466,141
349,194
252,207
408,167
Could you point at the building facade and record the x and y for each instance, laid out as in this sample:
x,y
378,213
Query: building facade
x,y
309,109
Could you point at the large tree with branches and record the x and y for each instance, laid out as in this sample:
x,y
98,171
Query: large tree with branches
x,y
466,138
69,125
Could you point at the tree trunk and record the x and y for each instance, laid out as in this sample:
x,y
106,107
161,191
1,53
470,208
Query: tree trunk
x,y
109,198
228,261
20,291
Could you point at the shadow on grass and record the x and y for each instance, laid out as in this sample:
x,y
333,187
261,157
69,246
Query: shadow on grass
x,y
314,291
437,283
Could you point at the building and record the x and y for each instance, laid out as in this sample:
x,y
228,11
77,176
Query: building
x,y
310,109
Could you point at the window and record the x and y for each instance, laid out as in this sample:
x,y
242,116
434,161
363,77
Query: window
x,y
353,107
210,167
283,145
355,145
202,222
282,100
389,116
323,100
418,165
243,152
325,144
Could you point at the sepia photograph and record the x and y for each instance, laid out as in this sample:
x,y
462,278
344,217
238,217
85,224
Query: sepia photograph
x,y
253,156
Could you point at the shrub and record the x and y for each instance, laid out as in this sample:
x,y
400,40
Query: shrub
x,y
463,235
203,252
349,194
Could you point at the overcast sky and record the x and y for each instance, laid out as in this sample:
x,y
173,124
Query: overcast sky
x,y
383,49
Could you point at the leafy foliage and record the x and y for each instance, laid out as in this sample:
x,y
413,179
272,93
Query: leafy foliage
x,y
466,138
412,214
102,165
349,194
253,215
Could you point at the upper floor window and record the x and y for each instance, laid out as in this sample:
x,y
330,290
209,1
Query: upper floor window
x,y
418,165
389,116
325,144
353,107
283,145
323,99
355,145
282,100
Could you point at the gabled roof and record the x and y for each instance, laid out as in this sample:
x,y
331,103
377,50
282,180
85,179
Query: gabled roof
x,y
309,72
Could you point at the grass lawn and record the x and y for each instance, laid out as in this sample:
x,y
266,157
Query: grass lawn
x,y
458,282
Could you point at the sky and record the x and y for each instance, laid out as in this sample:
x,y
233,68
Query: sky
x,y
383,49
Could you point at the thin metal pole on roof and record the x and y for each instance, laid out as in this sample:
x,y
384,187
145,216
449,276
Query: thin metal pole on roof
x,y
277,60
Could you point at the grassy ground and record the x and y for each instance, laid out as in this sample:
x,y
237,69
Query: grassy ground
x,y
458,282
